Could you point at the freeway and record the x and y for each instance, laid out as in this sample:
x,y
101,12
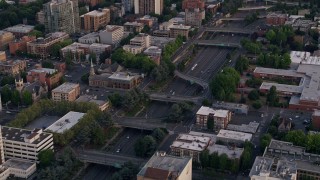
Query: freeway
x,y
139,123
212,43
191,79
109,159
173,98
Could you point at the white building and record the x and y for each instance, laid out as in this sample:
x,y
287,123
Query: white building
x,y
25,144
66,122
133,49
103,105
19,168
90,38
111,35
138,43
228,136
153,51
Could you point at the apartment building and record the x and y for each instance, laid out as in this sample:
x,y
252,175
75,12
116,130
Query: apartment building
x,y
62,16
176,30
20,30
233,137
220,117
133,27
90,38
5,39
145,7
103,105
147,20
12,67
41,46
191,145
162,166
111,35
46,76
138,44
276,19
153,52
194,12
40,17
94,20
25,144
20,44
66,92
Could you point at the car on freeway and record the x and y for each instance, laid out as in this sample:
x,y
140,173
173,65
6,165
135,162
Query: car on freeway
x,y
118,150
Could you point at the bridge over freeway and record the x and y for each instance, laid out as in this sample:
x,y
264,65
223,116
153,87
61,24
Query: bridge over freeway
x,y
230,30
104,158
175,99
288,3
215,43
192,79
140,122
239,19
254,8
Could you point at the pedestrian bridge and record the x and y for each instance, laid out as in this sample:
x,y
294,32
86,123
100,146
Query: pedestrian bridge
x,y
142,123
109,159
198,81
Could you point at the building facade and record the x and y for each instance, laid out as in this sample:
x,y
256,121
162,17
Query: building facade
x,y
111,35
194,12
66,92
275,19
133,27
48,77
20,45
41,46
13,67
25,144
20,30
179,30
94,20
5,39
145,7
62,16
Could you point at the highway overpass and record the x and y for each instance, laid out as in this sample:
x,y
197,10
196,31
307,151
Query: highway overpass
x,y
230,30
195,80
232,19
174,98
215,43
288,3
254,8
104,158
140,123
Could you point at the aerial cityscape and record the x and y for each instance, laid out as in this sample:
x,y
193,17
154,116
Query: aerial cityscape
x,y
160,89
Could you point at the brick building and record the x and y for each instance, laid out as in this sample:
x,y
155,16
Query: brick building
x,y
221,117
94,20
20,44
144,7
12,67
20,30
194,12
5,39
66,92
275,19
45,76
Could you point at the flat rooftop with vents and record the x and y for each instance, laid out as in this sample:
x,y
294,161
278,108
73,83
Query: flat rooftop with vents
x,y
66,122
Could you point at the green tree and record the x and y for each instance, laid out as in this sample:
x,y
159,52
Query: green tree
x,y
46,157
116,100
246,160
158,134
254,95
175,114
271,35
242,64
204,158
210,123
265,141
55,50
15,98
223,161
36,33
47,64
272,97
6,94
297,137
257,104
82,10
7,80
26,98
98,136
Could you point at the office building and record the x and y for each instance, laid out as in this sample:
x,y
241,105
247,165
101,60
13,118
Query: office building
x,y
5,39
66,92
12,67
179,30
20,30
62,16
191,145
147,20
94,20
275,19
25,144
145,7
270,168
111,35
300,164
41,46
220,117
233,137
20,44
66,122
90,38
133,27
194,12
128,5
154,53
138,44
162,166
40,17
103,105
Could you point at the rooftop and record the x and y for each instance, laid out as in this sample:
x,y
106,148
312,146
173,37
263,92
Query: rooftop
x,y
230,106
18,164
11,62
92,99
191,142
95,13
180,27
46,70
278,72
112,28
216,112
252,127
274,14
231,152
135,23
20,28
234,135
23,135
90,35
121,76
65,87
166,162
66,122
153,49
299,56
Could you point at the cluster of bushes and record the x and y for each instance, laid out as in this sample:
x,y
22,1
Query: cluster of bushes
x,y
146,146
251,47
274,60
89,129
130,100
179,111
128,171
